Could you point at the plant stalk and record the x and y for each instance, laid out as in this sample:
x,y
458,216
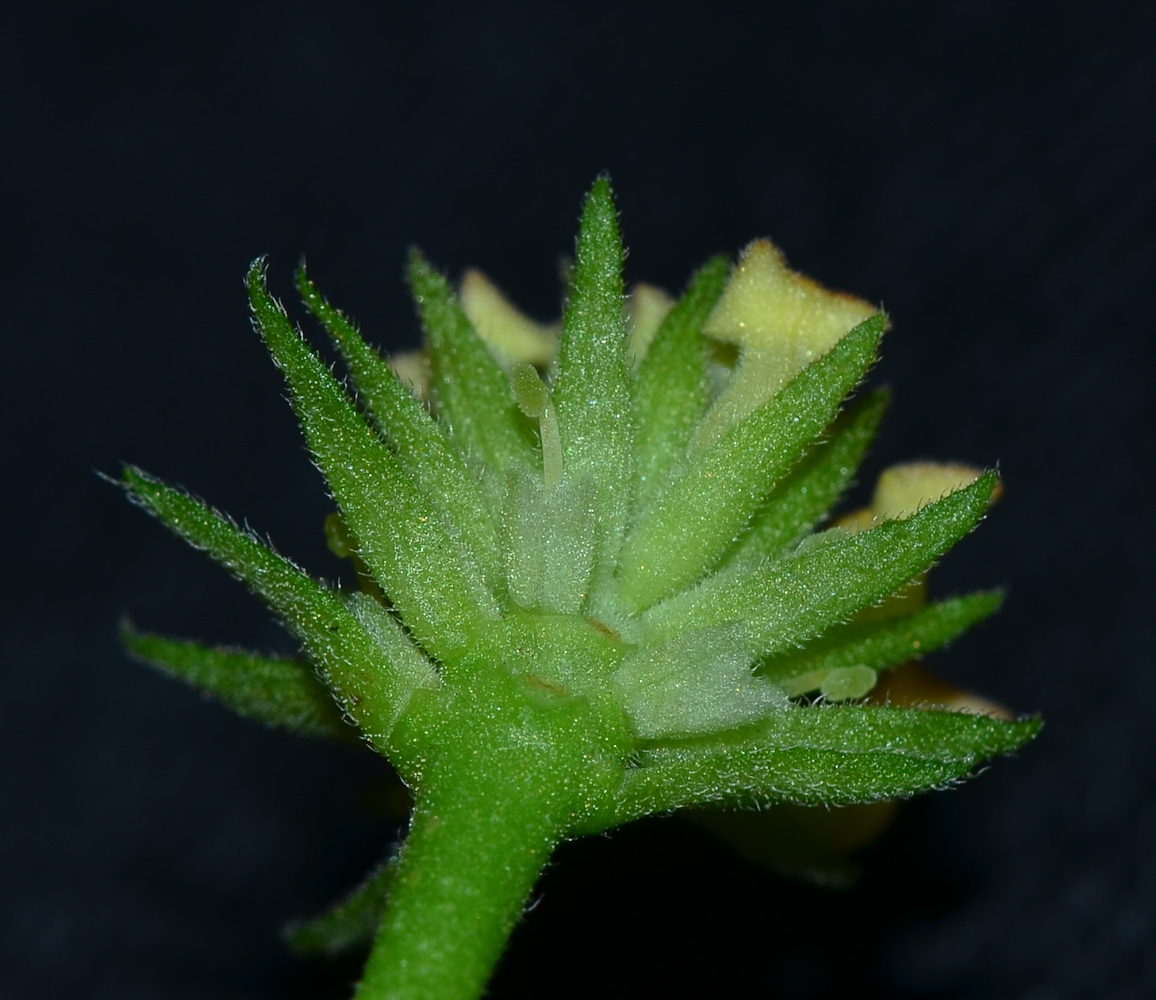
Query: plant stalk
x,y
477,843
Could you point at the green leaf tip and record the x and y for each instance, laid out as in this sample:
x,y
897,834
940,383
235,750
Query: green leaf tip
x,y
671,390
275,691
334,638
878,753
802,500
423,445
785,602
350,924
591,387
470,391
878,645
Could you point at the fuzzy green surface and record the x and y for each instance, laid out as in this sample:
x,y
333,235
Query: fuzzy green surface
x,y
567,626
332,637
822,755
437,586
784,602
273,690
802,499
671,390
471,394
421,442
887,643
688,529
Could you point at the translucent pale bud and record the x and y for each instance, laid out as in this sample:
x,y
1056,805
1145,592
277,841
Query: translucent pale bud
x,y
838,684
781,321
530,393
646,308
533,399
337,536
507,331
700,682
847,683
550,543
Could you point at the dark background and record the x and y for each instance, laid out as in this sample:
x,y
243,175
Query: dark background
x,y
983,169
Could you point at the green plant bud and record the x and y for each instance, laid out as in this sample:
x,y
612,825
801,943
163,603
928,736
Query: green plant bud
x,y
634,610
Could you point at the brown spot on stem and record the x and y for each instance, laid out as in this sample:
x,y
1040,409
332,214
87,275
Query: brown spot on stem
x,y
602,628
550,687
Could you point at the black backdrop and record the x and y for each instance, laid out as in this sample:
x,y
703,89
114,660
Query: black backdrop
x,y
983,169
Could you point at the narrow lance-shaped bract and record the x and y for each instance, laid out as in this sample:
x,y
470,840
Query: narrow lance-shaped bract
x,y
471,393
671,390
801,501
592,387
438,588
422,444
271,689
372,675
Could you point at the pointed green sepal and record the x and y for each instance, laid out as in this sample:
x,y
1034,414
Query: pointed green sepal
x,y
373,687
670,393
887,643
831,755
592,387
784,603
438,588
420,442
814,486
273,690
352,923
695,519
471,392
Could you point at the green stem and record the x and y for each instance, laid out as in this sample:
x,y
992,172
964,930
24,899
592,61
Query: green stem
x,y
476,846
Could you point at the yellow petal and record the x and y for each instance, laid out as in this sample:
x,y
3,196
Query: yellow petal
x,y
782,321
903,489
646,308
412,367
900,491
508,332
770,308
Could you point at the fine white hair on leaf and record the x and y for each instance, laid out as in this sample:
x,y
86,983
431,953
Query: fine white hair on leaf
x,y
699,682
